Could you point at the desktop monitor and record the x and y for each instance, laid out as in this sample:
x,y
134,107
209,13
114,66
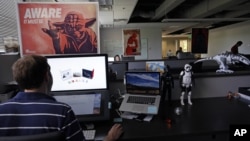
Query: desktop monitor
x,y
81,82
79,72
88,106
157,66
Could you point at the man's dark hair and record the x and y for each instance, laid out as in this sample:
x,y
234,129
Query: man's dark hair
x,y
29,71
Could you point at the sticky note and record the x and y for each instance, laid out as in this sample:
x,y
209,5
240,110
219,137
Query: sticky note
x,y
152,109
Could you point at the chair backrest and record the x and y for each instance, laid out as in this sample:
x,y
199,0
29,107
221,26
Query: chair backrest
x,y
51,136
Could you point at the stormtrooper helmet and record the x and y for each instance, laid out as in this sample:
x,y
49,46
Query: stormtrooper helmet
x,y
187,67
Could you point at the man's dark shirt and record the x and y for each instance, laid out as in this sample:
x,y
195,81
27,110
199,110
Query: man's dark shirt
x,y
35,113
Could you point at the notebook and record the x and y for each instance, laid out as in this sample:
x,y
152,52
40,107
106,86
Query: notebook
x,y
142,93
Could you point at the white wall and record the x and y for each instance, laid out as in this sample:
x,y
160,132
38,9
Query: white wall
x,y
222,39
153,36
111,42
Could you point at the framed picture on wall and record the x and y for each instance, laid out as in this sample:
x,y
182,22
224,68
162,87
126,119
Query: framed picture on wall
x,y
131,42
58,28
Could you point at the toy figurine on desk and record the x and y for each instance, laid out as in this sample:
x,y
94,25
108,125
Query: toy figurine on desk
x,y
186,83
167,84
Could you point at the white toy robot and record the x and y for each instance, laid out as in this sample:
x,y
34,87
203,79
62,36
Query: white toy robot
x,y
186,83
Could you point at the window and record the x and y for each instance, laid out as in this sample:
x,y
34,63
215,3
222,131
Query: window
x,y
183,44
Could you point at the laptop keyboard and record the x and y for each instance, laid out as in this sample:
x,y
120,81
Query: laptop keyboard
x,y
141,100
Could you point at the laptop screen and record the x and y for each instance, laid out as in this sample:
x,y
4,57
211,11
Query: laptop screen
x,y
143,83
155,66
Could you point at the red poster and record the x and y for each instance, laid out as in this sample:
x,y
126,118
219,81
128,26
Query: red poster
x,y
131,38
58,28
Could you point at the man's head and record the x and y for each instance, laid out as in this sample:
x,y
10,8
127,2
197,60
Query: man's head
x,y
187,67
31,71
166,68
239,43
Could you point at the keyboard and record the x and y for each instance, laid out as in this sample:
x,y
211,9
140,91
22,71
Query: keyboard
x,y
141,100
89,134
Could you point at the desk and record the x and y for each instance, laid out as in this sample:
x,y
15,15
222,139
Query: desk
x,y
207,119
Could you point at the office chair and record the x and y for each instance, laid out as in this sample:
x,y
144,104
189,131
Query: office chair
x,y
51,136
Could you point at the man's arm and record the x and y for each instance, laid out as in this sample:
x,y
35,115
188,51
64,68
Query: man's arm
x,y
71,127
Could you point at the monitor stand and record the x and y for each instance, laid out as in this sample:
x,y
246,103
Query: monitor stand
x,y
89,126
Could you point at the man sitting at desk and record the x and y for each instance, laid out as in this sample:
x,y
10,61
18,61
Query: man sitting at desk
x,y
34,111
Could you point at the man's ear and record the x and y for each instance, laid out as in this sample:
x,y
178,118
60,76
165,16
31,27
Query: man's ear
x,y
48,76
49,80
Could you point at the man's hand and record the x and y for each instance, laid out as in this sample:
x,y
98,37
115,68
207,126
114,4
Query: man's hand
x,y
114,133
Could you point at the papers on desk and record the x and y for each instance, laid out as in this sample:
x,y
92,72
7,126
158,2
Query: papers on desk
x,y
129,115
148,118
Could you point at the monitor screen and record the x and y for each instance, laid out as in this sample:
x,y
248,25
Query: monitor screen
x,y
143,82
79,72
155,66
127,58
87,106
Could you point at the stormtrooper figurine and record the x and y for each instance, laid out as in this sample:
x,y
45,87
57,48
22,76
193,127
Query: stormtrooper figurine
x,y
186,81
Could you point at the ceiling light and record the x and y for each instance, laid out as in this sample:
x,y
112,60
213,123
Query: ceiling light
x,y
120,20
174,26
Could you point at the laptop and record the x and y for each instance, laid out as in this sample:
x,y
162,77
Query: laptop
x,y
142,93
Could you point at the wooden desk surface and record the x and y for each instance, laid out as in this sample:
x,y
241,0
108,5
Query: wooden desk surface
x,y
206,119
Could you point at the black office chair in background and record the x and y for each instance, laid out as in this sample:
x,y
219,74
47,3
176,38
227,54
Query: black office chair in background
x,y
8,91
51,136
